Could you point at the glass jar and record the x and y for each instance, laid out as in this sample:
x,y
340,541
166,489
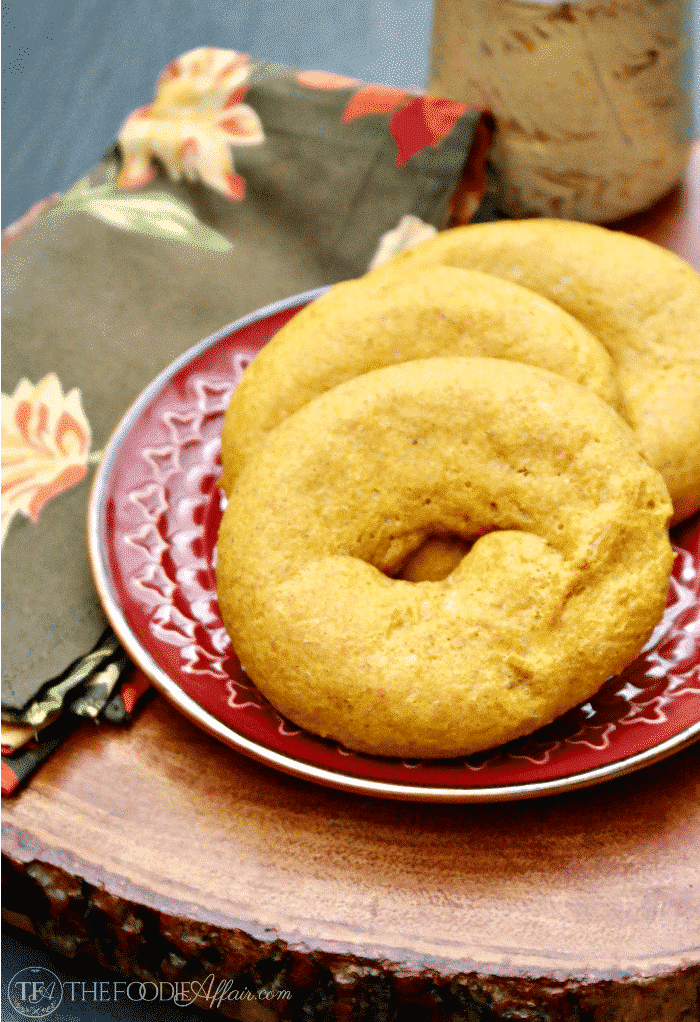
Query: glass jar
x,y
592,118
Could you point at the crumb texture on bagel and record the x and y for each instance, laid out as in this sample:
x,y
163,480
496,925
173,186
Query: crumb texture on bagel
x,y
640,300
365,324
564,576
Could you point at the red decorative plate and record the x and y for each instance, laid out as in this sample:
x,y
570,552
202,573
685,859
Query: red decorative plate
x,y
153,523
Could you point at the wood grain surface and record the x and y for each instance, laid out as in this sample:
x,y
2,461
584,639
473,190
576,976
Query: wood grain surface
x,y
160,852
152,830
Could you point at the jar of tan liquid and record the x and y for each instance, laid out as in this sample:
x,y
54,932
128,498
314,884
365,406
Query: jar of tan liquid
x,y
592,118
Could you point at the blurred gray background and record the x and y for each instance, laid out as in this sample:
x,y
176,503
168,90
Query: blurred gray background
x,y
73,69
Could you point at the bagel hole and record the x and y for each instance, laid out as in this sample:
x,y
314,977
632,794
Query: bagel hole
x,y
435,559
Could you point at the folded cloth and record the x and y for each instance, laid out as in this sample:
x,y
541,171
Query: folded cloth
x,y
86,685
131,692
26,748
33,746
19,767
242,183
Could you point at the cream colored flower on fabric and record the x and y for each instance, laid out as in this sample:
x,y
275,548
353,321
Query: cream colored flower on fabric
x,y
196,116
45,446
409,231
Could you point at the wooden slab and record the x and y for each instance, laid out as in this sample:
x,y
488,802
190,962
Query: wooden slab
x,y
158,851
159,831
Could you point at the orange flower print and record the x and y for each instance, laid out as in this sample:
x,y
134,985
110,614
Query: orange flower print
x,y
196,116
45,446
423,121
416,121
372,99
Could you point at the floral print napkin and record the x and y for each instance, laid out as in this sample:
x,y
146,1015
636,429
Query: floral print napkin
x,y
243,182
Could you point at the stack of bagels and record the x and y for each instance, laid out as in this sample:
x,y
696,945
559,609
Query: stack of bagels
x,y
450,484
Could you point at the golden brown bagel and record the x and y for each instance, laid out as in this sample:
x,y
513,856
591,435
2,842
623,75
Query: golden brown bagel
x,y
567,575
640,300
365,324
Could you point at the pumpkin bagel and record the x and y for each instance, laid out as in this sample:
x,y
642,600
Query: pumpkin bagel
x,y
640,300
365,324
566,571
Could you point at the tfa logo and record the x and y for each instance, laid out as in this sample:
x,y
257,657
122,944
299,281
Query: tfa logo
x,y
35,992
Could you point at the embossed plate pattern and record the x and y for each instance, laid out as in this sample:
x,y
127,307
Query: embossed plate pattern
x,y
153,522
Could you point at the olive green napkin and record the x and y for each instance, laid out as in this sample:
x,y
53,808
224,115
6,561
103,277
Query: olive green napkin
x,y
242,183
